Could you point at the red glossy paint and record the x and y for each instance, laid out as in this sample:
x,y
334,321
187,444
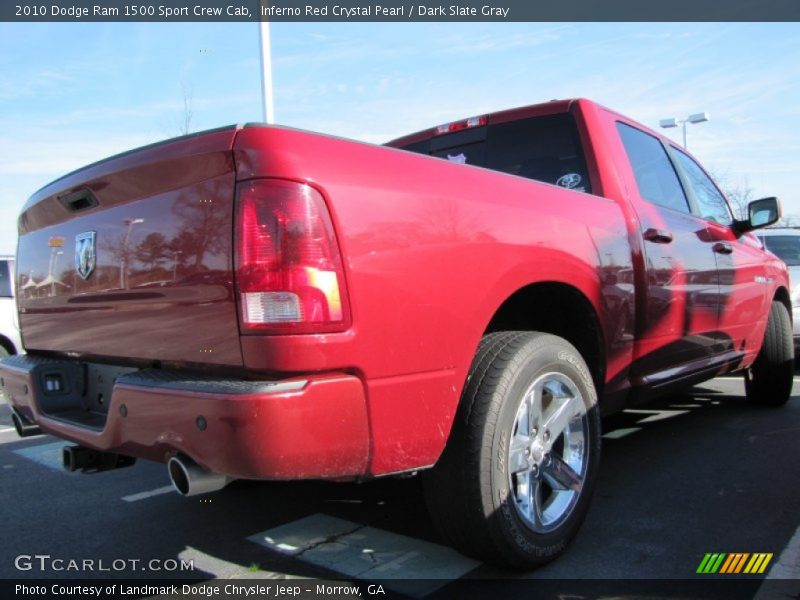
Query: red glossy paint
x,y
319,431
162,289
431,251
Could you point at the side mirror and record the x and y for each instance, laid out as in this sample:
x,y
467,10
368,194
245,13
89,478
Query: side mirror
x,y
760,213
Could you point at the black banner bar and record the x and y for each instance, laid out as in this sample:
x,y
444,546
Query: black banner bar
x,y
513,588
399,10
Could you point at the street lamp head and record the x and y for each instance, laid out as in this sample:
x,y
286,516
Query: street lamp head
x,y
667,123
698,118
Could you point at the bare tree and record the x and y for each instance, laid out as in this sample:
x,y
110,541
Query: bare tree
x,y
739,194
185,125
204,229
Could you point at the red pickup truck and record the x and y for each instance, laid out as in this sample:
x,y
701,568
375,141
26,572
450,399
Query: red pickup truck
x,y
264,303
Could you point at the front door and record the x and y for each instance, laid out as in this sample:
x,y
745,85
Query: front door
x,y
742,287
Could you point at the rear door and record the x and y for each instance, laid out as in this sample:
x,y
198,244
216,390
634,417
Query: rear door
x,y
677,323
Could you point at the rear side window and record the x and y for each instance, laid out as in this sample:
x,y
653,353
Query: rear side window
x,y
710,200
544,148
658,183
5,279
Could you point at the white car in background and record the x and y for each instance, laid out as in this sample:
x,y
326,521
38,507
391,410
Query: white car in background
x,y
10,342
784,242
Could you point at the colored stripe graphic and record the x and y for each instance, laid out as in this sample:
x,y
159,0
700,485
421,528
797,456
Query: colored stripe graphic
x,y
765,563
733,563
703,563
727,564
758,564
741,562
716,565
711,563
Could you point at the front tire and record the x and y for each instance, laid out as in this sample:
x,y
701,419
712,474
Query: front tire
x,y
515,480
769,381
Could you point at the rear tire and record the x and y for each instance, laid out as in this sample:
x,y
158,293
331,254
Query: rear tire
x,y
769,381
515,480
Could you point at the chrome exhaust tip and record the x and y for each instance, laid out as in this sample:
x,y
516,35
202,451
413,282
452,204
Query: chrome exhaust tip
x,y
24,427
87,460
190,479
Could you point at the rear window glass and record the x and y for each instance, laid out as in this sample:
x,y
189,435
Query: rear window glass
x,y
545,148
5,279
785,247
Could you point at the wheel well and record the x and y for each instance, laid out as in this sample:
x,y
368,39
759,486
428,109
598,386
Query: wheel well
x,y
6,343
561,310
782,295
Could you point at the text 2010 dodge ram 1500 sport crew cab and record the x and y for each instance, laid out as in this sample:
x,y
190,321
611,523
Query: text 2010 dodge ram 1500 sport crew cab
x,y
263,303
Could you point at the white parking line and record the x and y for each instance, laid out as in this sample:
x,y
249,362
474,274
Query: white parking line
x,y
739,378
616,434
413,567
142,495
655,415
47,455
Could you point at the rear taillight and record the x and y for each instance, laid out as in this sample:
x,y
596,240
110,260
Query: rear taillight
x,y
289,273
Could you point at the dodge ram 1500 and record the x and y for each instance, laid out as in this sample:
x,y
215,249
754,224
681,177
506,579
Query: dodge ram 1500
x,y
259,302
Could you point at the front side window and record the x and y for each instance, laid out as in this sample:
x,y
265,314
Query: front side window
x,y
710,201
658,183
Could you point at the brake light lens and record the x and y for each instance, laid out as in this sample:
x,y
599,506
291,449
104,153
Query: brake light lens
x,y
461,125
289,273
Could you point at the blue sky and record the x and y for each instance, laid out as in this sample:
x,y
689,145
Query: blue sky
x,y
74,93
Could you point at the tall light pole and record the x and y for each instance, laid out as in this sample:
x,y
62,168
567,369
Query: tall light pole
x,y
266,69
123,265
175,254
693,119
54,254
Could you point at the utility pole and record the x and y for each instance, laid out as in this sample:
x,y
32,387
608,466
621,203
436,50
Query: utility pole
x,y
267,96
123,265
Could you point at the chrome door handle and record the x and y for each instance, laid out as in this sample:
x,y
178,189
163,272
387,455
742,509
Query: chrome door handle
x,y
658,236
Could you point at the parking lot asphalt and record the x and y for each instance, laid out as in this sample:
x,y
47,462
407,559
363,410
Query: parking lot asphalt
x,y
691,474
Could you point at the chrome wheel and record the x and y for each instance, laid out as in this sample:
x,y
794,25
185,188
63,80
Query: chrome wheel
x,y
515,480
547,458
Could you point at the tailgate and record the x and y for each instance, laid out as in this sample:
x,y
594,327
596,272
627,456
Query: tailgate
x,y
131,257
